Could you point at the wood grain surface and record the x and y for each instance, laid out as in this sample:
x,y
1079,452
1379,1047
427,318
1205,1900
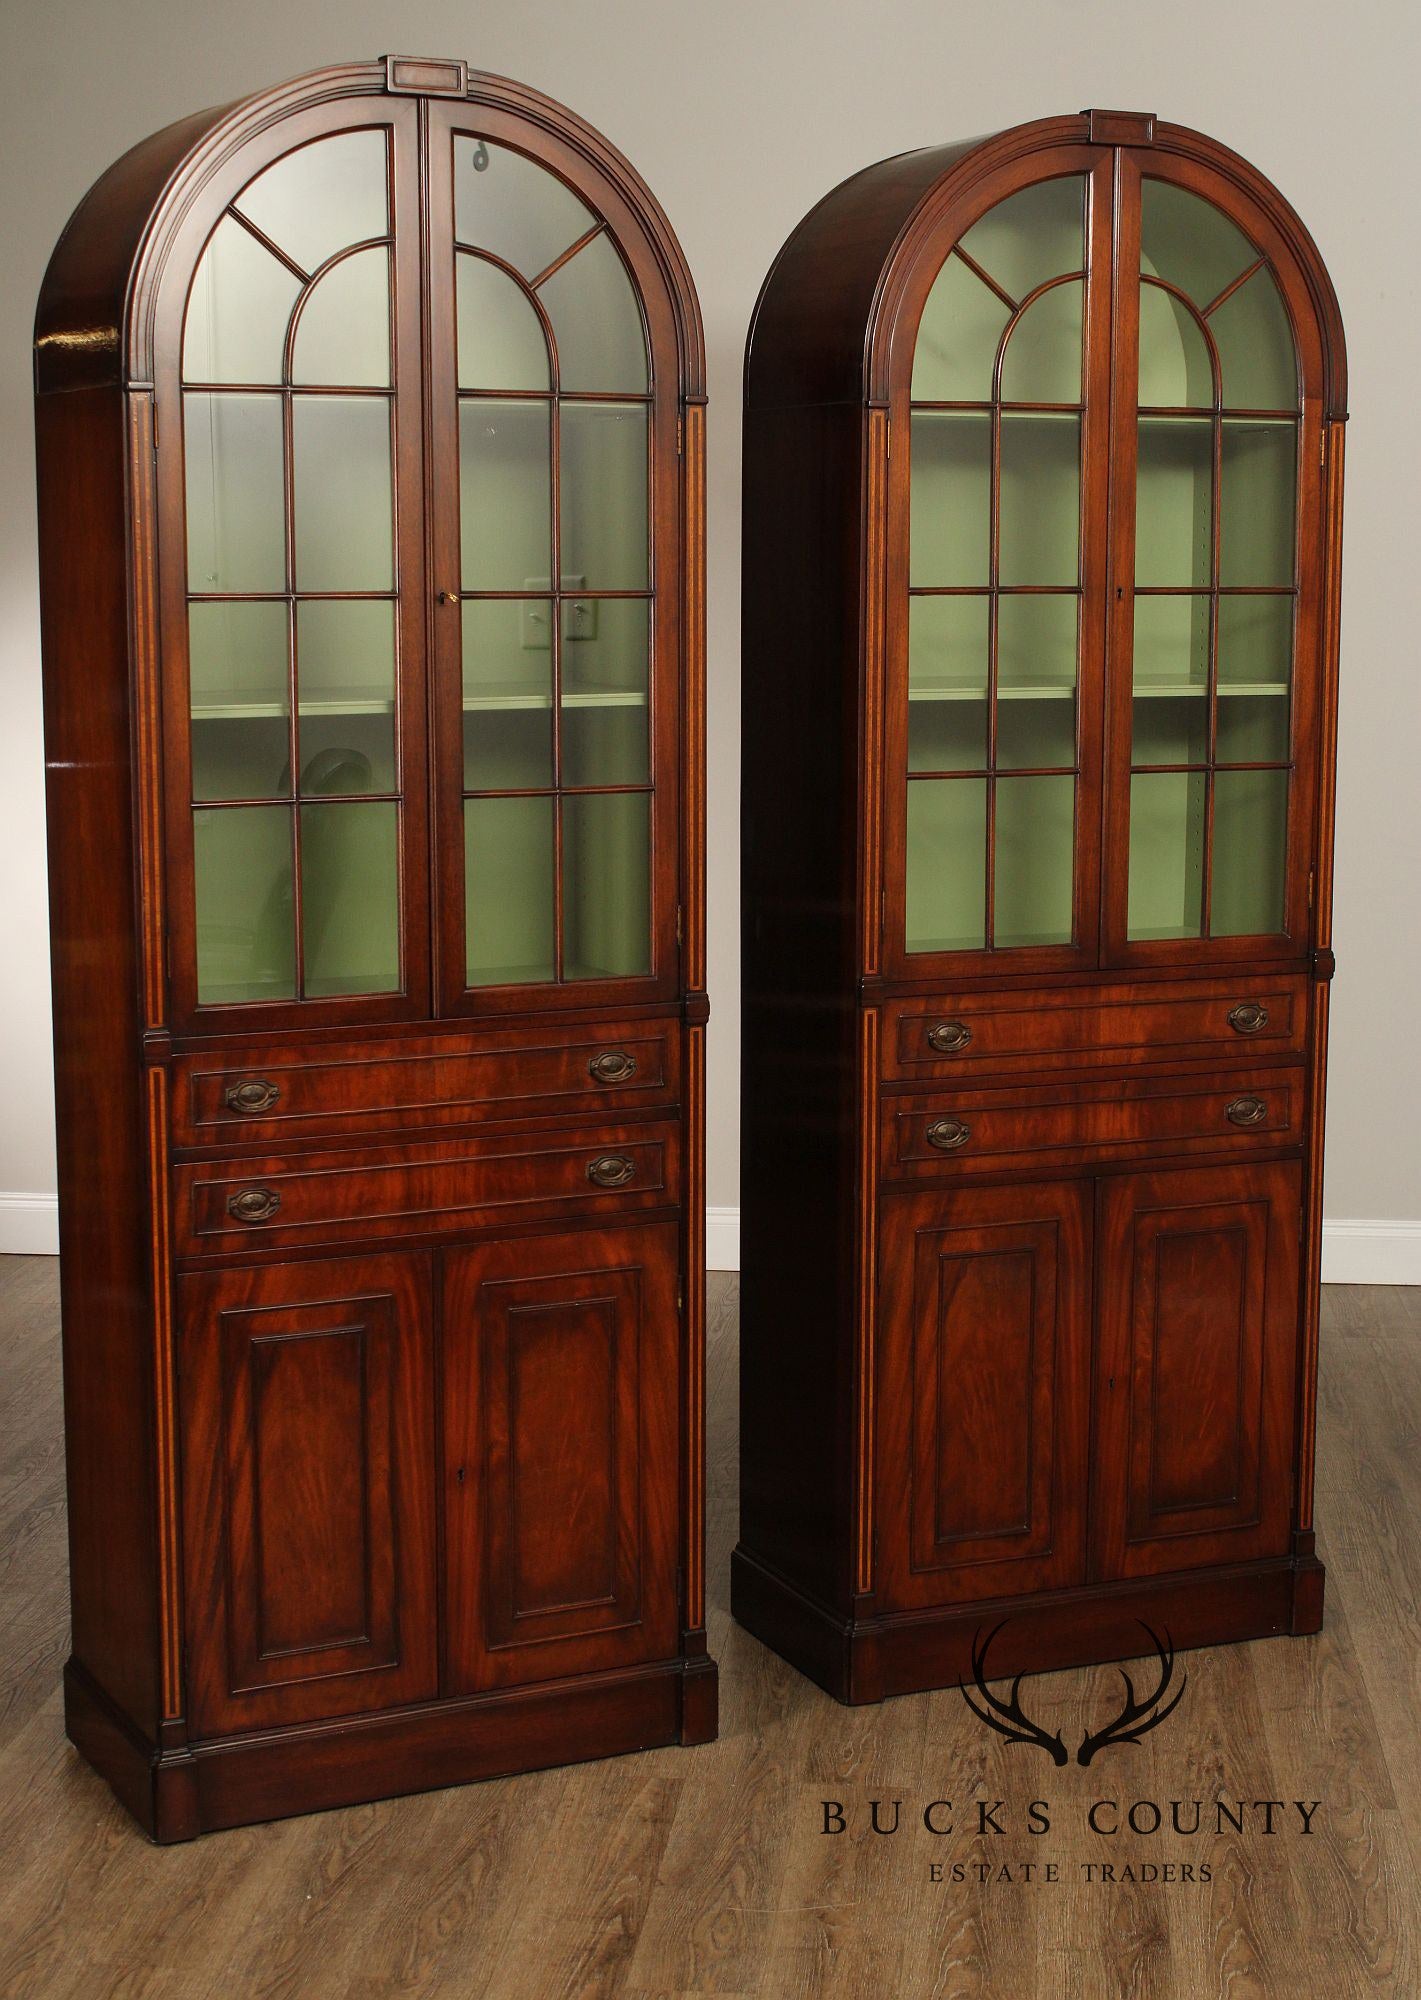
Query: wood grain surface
x,y
704,1871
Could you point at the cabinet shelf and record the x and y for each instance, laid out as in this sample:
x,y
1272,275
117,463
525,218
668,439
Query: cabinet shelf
x,y
1064,691
240,708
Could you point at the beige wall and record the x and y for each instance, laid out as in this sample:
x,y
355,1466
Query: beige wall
x,y
741,113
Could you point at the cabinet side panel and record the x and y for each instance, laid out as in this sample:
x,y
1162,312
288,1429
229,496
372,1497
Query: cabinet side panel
x,y
798,847
105,1290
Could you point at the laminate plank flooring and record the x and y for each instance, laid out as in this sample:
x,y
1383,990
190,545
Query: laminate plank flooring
x,y
706,1871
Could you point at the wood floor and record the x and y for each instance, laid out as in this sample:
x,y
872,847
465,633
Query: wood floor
x,y
705,1871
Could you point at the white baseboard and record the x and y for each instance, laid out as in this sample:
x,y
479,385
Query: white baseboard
x,y
1354,1250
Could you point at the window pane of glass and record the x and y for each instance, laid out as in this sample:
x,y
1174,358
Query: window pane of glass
x,y
604,691
344,518
606,885
1042,363
596,321
1175,369
238,309
507,203
603,481
1174,501
1040,499
1171,709
508,693
1255,670
239,677
1033,235
1256,352
508,890
946,864
1250,849
1189,242
501,340
947,683
246,911
951,499
963,322
1036,729
1259,477
1035,860
1166,895
350,898
322,198
1036,681
504,496
345,653
343,334
236,535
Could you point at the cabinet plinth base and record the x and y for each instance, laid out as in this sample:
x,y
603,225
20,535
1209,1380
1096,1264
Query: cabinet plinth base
x,y
865,1660
175,1795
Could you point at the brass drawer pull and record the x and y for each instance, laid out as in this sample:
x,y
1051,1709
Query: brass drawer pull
x,y
610,1170
251,1097
254,1204
612,1066
1248,1111
1248,1017
947,1134
949,1038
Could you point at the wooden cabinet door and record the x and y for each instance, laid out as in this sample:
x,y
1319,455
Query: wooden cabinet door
x,y
1196,1367
308,1442
983,1399
560,1455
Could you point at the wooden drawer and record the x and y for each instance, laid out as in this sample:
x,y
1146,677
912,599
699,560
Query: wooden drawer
x,y
1117,1119
1094,1027
288,1092
436,1186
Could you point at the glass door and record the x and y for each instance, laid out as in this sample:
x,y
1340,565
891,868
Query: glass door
x,y
555,650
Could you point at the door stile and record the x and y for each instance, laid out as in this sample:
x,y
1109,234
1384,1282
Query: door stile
x,y
1120,585
1093,678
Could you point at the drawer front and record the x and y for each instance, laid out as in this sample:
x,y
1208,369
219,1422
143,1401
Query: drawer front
x,y
228,1207
1094,1027
959,1131
293,1093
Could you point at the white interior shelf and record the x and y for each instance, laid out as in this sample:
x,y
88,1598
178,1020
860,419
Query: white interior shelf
x,y
240,707
1065,691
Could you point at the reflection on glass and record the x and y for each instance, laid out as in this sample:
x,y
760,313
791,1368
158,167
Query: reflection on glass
x,y
507,203
947,683
322,198
238,310
596,321
604,691
1256,351
1042,362
1249,852
1171,680
504,495
963,322
246,926
1174,501
1035,861
342,506
951,499
343,334
946,864
1035,234
508,890
235,514
1040,499
501,340
508,693
1188,242
1176,371
350,898
1255,671
603,483
606,885
1166,892
1259,477
345,652
239,674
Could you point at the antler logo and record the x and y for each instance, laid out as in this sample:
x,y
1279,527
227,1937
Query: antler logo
x,y
1135,1719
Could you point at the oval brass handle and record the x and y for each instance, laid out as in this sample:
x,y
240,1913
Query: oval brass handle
x,y
947,1134
612,1066
1248,1111
610,1170
254,1204
251,1097
948,1037
1248,1017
